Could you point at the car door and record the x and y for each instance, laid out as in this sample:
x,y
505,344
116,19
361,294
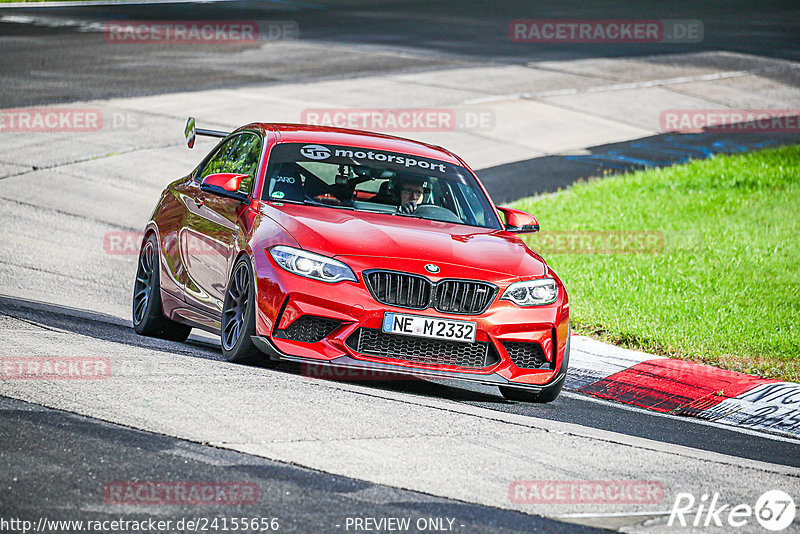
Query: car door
x,y
212,224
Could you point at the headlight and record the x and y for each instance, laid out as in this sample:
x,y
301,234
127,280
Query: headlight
x,y
532,292
311,265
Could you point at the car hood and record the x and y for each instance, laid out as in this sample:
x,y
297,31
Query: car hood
x,y
338,232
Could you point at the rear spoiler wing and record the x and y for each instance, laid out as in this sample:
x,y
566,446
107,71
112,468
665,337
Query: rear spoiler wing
x,y
191,132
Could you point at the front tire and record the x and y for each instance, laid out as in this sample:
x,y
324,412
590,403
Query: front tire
x,y
239,316
148,317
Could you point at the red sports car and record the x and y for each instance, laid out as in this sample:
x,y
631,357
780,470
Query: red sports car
x,y
353,249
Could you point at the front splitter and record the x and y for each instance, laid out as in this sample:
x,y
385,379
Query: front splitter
x,y
266,346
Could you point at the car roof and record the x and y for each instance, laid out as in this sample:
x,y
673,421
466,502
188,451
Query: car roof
x,y
306,133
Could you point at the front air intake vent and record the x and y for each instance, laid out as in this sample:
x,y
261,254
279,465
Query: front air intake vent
x,y
308,329
421,350
526,355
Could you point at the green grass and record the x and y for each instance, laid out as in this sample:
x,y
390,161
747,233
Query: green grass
x,y
724,289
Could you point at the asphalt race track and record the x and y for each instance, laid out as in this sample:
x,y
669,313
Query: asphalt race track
x,y
83,455
48,56
320,451
301,499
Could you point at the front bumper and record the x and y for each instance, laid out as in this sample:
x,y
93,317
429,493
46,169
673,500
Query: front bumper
x,y
283,298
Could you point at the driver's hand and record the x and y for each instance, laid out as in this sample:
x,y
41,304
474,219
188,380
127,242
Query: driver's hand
x,y
408,207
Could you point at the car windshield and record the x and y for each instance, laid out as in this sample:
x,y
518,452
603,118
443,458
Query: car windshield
x,y
362,179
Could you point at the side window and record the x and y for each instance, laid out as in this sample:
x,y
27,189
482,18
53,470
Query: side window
x,y
243,159
217,162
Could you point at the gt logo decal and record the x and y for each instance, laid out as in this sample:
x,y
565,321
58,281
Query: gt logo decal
x,y
315,152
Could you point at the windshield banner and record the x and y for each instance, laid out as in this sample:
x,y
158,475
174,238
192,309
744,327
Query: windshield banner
x,y
348,155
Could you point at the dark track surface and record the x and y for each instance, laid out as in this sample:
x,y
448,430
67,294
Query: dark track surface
x,y
42,62
56,465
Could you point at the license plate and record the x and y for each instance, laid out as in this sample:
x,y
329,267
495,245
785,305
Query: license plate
x,y
432,327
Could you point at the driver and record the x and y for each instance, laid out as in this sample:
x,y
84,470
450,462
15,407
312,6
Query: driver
x,y
411,192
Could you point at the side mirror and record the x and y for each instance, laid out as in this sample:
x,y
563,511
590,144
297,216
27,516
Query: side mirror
x,y
190,131
225,184
518,221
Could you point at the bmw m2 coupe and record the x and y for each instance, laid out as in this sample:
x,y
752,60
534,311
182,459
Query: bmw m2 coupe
x,y
352,249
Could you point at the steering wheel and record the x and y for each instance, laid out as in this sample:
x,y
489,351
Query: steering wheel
x,y
437,213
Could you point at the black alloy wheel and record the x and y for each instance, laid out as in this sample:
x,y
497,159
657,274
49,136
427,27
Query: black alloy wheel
x,y
239,316
148,317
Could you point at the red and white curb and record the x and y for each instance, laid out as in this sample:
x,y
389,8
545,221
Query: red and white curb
x,y
683,388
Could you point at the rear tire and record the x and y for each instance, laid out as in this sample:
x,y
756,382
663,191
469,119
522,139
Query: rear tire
x,y
239,316
148,316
